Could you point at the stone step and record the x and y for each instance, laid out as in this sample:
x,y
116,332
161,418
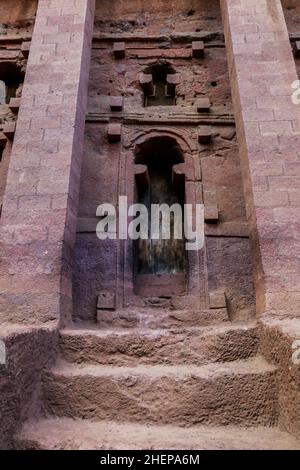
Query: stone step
x,y
157,318
69,434
166,346
236,393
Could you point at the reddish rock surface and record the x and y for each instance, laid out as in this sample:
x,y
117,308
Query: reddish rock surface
x,y
112,345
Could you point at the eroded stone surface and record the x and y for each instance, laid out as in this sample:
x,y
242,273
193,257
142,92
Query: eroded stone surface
x,y
29,351
280,344
68,434
238,393
152,361
151,42
175,346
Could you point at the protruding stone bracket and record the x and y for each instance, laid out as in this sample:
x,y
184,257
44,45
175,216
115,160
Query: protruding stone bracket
x,y
9,130
25,48
14,105
106,301
141,176
146,82
119,50
205,135
198,49
217,299
178,174
211,213
172,81
190,170
114,132
203,105
116,103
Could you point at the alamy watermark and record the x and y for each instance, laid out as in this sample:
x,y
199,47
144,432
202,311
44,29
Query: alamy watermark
x,y
160,222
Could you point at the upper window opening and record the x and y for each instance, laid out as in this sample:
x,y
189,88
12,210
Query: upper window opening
x,y
159,85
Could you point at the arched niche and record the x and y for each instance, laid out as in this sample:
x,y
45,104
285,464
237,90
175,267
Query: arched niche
x,y
160,264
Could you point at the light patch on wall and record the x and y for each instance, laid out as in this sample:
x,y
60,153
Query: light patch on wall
x,y
2,353
2,92
296,353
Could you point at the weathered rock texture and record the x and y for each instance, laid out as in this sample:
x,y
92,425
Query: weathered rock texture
x,y
127,388
240,393
169,346
29,350
155,38
38,218
39,214
60,434
277,344
16,14
263,70
98,356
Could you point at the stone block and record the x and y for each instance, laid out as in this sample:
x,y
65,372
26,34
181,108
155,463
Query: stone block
x,y
217,299
205,134
9,130
172,81
106,301
25,48
203,105
141,176
114,132
116,103
87,224
146,82
198,49
14,104
119,50
211,213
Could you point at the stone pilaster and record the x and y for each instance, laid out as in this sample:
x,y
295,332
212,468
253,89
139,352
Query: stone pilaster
x,y
262,71
38,221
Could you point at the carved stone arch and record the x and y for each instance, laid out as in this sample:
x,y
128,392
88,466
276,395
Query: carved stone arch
x,y
186,179
160,264
186,145
159,81
190,166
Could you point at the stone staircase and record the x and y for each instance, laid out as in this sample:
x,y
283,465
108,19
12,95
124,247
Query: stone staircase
x,y
195,387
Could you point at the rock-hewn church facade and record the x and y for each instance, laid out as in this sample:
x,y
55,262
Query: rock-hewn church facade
x,y
119,343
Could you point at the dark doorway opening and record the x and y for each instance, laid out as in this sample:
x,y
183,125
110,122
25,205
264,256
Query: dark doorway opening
x,y
161,260
11,77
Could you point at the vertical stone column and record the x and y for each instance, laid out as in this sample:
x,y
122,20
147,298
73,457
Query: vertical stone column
x,y
262,71
38,222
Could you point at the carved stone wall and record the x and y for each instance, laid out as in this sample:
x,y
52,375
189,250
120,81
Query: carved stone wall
x,y
17,21
161,34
